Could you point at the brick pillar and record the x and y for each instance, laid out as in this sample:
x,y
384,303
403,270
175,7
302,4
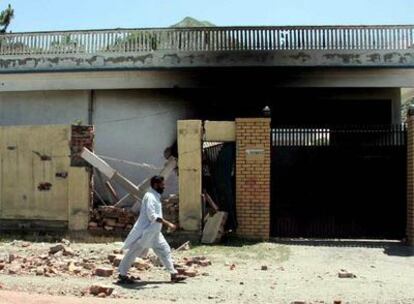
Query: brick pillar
x,y
253,177
410,176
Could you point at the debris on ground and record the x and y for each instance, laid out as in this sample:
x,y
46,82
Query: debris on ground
x,y
12,257
154,259
56,248
197,260
100,290
232,266
141,264
343,274
264,267
184,247
104,272
214,228
117,260
14,269
67,251
65,242
60,260
40,270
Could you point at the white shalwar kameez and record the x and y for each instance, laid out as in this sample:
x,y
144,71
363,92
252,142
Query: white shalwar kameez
x,y
146,234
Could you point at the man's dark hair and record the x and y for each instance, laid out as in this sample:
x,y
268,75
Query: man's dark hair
x,y
156,180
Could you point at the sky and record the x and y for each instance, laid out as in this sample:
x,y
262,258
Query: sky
x,y
49,15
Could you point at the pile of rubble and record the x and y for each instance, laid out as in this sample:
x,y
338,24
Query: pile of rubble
x,y
170,208
111,218
61,260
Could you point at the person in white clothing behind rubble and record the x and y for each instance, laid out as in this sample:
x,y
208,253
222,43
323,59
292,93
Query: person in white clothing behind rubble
x,y
146,234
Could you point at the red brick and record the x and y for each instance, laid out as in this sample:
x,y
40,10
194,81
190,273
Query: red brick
x,y
104,272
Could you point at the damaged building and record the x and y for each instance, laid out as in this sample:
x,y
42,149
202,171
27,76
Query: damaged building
x,y
133,85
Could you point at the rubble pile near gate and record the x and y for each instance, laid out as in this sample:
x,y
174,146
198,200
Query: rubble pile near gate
x,y
61,260
111,218
170,209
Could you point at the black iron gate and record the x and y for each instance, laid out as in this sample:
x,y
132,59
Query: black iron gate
x,y
218,178
333,182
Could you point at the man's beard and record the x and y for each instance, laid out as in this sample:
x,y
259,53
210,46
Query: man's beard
x,y
159,190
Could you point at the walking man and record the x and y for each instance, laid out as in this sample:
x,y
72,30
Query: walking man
x,y
146,234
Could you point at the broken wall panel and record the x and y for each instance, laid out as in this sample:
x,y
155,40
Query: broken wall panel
x,y
35,176
82,136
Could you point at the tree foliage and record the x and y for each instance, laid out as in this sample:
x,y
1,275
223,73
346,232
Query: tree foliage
x,y
6,16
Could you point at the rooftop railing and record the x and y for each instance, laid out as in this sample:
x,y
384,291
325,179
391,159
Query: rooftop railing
x,y
209,39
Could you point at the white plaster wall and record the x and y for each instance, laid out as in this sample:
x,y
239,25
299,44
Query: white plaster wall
x,y
43,107
137,125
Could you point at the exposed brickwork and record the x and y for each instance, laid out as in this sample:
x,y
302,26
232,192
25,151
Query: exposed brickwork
x,y
82,136
410,179
253,177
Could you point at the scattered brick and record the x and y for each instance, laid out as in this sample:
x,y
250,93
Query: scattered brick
x,y
190,273
117,260
12,257
15,269
67,251
56,248
343,274
104,272
98,289
40,271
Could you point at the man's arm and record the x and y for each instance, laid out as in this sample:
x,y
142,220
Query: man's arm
x,y
153,217
166,223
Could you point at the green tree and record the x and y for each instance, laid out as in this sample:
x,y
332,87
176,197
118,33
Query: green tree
x,y
6,17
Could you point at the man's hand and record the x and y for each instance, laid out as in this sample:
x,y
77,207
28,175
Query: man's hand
x,y
172,226
169,225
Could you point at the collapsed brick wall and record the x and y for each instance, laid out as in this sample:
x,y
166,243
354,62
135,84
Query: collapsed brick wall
x,y
82,136
253,177
110,218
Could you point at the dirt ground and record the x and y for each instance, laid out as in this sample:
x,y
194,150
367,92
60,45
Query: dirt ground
x,y
296,271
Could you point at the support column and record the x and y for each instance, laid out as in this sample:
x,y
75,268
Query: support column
x,y
253,177
79,196
189,166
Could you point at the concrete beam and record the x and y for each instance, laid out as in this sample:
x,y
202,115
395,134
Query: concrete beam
x,y
196,59
211,78
98,163
220,131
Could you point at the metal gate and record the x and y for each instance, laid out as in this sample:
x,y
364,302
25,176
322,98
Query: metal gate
x,y
218,178
339,182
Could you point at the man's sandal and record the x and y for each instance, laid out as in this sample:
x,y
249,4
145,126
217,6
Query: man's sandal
x,y
125,280
175,278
